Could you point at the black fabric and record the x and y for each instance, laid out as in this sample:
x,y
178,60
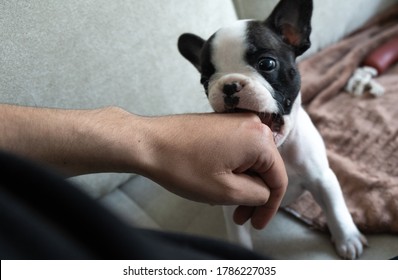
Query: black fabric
x,y
43,216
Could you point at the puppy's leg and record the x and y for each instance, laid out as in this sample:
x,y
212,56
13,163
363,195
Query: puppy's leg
x,y
347,239
236,233
307,156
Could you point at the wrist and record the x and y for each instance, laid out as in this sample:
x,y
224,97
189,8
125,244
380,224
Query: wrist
x,y
125,142
112,140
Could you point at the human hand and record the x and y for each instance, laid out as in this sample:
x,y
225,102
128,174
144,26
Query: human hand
x,y
227,159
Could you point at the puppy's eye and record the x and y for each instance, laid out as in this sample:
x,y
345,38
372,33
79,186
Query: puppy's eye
x,y
267,64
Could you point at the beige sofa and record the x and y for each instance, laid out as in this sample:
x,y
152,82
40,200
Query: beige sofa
x,y
88,54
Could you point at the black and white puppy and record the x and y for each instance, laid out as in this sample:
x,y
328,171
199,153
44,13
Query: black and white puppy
x,y
250,67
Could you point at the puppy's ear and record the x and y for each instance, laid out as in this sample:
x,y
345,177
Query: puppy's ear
x,y
190,46
291,19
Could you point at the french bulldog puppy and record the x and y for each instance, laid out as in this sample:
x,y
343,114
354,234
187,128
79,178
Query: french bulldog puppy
x,y
250,66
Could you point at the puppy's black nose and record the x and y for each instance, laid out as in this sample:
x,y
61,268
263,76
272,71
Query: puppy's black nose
x,y
232,88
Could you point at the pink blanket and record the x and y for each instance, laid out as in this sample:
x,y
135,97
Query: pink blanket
x,y
360,133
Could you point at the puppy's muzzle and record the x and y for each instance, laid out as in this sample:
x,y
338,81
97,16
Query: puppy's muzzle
x,y
230,98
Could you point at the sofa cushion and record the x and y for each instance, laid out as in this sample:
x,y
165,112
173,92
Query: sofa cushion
x,y
141,202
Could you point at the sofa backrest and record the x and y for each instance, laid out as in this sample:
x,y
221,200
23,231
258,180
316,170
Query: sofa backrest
x,y
94,53
331,21
84,54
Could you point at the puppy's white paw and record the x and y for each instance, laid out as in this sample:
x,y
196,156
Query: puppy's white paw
x,y
350,247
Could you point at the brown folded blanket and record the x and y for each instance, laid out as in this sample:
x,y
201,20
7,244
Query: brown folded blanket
x,y
360,133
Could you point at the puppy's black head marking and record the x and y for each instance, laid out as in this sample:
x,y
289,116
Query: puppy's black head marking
x,y
280,67
206,66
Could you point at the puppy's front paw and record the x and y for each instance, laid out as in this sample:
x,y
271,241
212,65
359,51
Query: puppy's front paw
x,y
351,246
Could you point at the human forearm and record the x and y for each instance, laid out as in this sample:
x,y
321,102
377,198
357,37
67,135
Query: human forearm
x,y
73,141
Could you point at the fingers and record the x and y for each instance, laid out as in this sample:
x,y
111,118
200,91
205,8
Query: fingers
x,y
275,177
271,169
243,213
275,180
249,189
259,216
262,215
